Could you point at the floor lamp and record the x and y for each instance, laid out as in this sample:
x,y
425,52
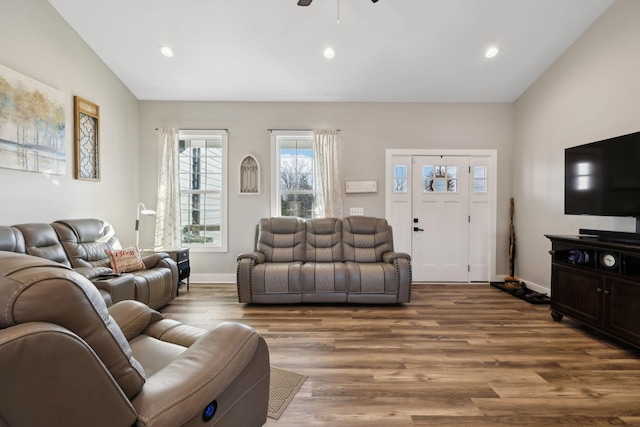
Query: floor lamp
x,y
142,210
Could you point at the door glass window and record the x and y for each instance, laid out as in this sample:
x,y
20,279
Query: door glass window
x,y
479,179
440,178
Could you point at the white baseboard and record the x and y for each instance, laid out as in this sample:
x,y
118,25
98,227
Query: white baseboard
x,y
212,278
533,286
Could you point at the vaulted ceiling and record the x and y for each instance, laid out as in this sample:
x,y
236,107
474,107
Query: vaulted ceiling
x,y
272,50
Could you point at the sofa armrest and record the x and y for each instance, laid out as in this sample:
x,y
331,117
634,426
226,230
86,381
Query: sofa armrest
x,y
39,363
391,257
93,272
182,389
151,259
255,256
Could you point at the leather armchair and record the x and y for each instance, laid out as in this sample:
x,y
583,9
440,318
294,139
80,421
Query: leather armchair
x,y
68,360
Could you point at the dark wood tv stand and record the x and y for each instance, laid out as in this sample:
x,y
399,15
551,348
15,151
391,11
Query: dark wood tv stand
x,y
604,297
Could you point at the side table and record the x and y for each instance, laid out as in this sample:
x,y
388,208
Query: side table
x,y
181,257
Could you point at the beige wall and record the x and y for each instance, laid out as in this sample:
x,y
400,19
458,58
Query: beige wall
x,y
367,129
37,42
592,92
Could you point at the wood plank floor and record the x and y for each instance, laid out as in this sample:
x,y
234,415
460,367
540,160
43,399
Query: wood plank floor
x,y
457,355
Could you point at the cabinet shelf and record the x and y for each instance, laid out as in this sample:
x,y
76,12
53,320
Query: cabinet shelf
x,y
585,287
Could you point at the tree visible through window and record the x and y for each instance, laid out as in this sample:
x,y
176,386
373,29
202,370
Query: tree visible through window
x,y
294,166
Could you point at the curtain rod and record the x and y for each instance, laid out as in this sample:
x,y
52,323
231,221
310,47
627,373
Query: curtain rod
x,y
294,130
226,130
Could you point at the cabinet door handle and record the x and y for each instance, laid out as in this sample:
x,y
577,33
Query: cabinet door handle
x,y
598,290
606,292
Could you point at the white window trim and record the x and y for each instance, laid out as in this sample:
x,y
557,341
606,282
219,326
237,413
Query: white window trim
x,y
275,163
201,247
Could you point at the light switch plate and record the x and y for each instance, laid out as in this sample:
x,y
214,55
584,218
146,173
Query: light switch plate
x,y
356,211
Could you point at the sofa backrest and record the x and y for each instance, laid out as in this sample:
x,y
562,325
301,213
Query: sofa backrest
x,y
281,239
365,239
324,240
41,240
86,241
34,289
11,240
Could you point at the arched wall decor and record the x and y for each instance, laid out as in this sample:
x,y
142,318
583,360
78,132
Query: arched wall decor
x,y
250,176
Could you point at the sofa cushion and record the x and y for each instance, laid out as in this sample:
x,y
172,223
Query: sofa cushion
x,y
281,239
324,240
42,241
85,240
365,239
11,240
33,290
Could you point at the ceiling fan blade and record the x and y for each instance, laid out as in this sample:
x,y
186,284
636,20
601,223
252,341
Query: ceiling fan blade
x,y
304,2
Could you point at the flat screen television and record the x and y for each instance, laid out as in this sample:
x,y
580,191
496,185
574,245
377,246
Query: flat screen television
x,y
603,177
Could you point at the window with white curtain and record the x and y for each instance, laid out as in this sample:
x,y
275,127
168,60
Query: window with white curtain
x,y
203,188
293,191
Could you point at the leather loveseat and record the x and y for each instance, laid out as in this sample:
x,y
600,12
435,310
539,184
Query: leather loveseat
x,y
324,260
66,359
81,244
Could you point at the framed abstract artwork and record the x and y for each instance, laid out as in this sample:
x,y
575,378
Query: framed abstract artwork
x,y
87,139
32,125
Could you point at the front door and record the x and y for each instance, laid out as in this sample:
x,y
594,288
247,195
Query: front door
x,y
440,218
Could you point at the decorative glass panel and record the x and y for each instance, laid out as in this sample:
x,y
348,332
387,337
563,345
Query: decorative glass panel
x,y
400,178
440,178
479,179
87,135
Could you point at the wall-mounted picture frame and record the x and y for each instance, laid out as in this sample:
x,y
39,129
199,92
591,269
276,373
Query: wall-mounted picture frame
x,y
250,176
361,186
87,139
32,125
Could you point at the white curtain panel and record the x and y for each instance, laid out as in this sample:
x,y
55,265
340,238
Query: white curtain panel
x,y
168,235
328,187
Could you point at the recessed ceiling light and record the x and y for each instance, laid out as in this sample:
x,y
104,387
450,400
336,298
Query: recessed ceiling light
x,y
329,52
491,52
166,51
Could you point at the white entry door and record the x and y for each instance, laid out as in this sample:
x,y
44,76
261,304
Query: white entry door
x,y
451,196
440,229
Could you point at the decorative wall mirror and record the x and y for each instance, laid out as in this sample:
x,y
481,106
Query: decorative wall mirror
x,y
87,139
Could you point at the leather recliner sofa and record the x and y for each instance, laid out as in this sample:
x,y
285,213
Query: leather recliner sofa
x,y
324,260
81,245
66,359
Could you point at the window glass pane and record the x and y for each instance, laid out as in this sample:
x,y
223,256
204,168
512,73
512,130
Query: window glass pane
x,y
400,178
479,172
440,185
480,179
427,178
479,186
201,168
295,176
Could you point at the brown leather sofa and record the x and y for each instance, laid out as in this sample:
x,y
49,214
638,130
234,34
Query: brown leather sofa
x,y
324,260
81,244
66,359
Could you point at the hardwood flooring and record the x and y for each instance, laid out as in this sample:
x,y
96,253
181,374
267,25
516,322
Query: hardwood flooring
x,y
457,355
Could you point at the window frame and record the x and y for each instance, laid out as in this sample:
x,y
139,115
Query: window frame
x,y
276,137
223,134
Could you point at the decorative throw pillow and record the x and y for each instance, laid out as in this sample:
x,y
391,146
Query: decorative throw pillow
x,y
125,260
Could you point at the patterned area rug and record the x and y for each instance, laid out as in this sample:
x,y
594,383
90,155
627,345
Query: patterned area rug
x,y
283,387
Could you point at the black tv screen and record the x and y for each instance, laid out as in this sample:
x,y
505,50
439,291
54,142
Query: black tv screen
x,y
603,178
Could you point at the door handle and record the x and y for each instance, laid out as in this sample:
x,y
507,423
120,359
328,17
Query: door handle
x,y
418,229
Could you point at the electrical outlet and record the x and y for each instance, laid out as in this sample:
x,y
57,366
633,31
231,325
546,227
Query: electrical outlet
x,y
356,211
